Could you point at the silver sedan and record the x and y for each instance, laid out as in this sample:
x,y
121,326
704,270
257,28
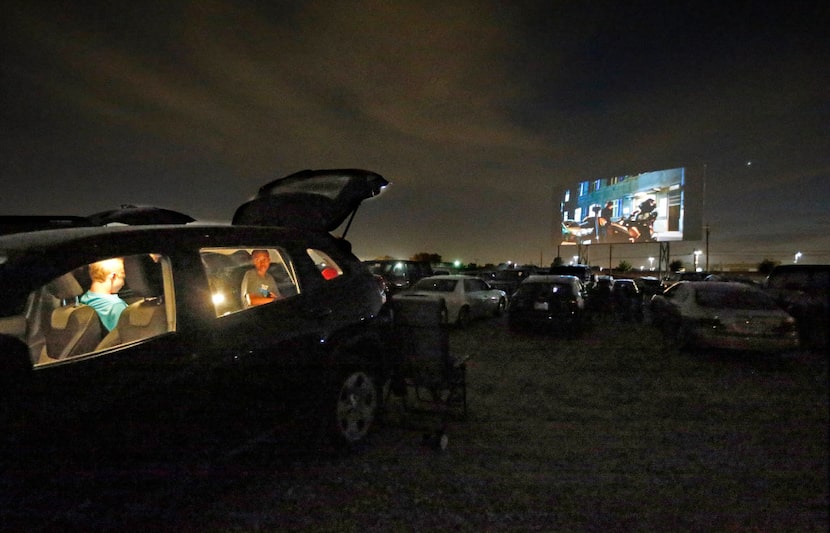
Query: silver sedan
x,y
723,315
465,297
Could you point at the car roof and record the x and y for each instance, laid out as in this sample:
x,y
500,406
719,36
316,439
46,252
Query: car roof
x,y
40,241
805,267
312,200
125,215
550,278
723,286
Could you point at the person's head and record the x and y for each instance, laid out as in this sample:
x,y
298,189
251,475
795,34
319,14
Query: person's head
x,y
261,260
609,204
107,276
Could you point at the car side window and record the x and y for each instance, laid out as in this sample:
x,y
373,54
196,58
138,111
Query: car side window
x,y
474,285
111,302
248,276
672,292
681,294
328,268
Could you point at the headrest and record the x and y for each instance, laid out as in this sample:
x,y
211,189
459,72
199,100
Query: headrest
x,y
241,257
64,287
143,275
142,313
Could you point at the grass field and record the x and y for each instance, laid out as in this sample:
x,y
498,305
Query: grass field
x,y
611,432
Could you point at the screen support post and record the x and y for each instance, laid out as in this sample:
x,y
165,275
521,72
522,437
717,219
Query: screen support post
x,y
663,260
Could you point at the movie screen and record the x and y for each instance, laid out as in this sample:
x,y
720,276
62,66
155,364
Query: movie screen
x,y
647,207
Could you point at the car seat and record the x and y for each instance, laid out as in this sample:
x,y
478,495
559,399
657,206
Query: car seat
x,y
146,317
140,320
74,327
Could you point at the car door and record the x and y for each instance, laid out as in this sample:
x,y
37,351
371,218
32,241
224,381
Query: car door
x,y
673,302
257,349
126,371
478,294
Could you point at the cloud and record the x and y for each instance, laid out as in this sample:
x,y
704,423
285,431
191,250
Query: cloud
x,y
492,103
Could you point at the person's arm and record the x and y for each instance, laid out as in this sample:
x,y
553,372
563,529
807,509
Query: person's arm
x,y
258,299
252,295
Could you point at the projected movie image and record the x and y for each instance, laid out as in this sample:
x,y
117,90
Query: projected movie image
x,y
647,207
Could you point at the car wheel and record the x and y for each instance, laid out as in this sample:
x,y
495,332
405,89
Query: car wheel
x,y
357,406
463,319
500,308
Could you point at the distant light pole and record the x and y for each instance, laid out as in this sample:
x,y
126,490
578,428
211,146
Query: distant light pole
x,y
697,256
651,263
797,257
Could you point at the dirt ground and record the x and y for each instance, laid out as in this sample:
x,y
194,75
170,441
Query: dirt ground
x,y
609,432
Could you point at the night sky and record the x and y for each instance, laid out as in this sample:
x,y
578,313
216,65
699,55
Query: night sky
x,y
477,112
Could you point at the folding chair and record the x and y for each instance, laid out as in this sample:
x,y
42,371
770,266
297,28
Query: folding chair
x,y
437,380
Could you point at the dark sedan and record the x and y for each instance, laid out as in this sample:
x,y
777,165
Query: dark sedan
x,y
548,302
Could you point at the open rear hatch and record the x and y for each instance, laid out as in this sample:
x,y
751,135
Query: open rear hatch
x,y
317,200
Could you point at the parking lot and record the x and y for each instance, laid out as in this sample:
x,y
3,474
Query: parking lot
x,y
611,431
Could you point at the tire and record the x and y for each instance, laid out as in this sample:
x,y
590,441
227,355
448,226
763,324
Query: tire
x,y
500,308
356,406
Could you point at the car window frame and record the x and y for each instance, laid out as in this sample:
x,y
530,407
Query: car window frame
x,y
168,302
281,253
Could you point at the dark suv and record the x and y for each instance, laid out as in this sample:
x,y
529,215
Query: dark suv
x,y
399,274
190,343
804,292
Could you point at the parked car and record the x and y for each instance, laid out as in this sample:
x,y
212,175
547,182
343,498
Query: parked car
x,y
649,286
804,292
674,277
399,274
723,315
628,300
465,297
583,272
507,279
548,302
600,295
190,341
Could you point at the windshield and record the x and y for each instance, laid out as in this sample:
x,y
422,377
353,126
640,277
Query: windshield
x,y
435,285
543,290
724,298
